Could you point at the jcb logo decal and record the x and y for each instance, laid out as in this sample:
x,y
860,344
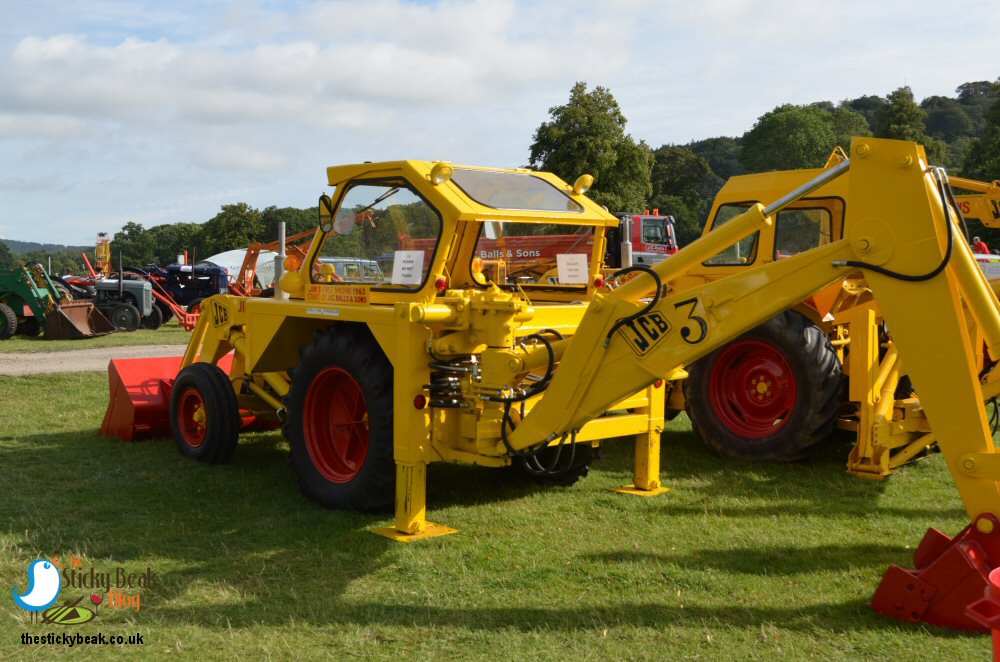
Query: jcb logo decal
x,y
220,314
644,332
996,210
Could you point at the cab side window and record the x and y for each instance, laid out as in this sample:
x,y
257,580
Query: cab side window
x,y
799,230
743,251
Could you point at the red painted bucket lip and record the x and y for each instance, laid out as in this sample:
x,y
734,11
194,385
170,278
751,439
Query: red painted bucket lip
x,y
194,433
335,425
752,388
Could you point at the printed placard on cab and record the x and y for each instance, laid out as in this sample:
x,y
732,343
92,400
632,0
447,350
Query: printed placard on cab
x,y
572,268
334,293
407,268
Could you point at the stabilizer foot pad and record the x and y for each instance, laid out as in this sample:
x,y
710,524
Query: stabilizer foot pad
x,y
632,489
432,531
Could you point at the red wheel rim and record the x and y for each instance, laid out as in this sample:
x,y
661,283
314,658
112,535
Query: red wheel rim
x,y
335,423
752,388
193,419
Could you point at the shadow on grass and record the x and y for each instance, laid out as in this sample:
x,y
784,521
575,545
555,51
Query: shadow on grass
x,y
203,529
819,485
840,618
239,546
776,561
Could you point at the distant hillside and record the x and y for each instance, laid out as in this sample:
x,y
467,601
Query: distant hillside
x,y
22,247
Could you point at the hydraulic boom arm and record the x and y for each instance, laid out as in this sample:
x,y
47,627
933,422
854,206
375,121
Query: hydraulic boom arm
x,y
900,233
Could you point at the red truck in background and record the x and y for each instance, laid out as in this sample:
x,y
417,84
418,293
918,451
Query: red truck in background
x,y
652,238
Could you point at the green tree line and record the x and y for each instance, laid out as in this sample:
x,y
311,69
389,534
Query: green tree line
x,y
587,135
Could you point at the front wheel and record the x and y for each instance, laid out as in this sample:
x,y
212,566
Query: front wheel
x,y
8,322
771,394
204,415
340,420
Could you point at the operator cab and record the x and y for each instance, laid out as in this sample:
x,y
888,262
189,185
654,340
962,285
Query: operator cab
x,y
397,228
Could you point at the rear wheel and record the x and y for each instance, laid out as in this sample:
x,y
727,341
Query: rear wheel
x,y
8,322
340,421
195,307
125,317
771,394
154,320
204,415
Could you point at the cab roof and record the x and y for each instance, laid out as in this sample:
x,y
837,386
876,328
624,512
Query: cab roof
x,y
450,198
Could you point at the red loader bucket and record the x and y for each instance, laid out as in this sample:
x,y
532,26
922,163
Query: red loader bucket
x,y
139,403
950,575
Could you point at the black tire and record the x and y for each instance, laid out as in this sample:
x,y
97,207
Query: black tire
x,y
154,320
195,306
125,317
343,456
783,417
212,435
571,464
8,322
165,313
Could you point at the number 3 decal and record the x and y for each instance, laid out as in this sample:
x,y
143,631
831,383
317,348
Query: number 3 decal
x,y
686,331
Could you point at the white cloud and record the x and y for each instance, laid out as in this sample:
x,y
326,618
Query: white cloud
x,y
165,113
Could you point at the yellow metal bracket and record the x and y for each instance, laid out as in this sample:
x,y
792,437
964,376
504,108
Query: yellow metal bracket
x,y
647,449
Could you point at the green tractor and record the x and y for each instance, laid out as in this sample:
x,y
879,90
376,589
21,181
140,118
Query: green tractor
x,y
31,303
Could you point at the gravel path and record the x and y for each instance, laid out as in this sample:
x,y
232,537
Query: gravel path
x,y
80,360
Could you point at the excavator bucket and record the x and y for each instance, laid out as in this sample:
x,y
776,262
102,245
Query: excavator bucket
x,y
74,320
950,575
139,403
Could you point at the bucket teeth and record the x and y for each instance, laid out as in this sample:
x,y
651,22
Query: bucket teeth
x,y
950,575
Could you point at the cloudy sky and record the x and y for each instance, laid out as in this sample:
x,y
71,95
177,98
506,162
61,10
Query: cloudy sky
x,y
159,112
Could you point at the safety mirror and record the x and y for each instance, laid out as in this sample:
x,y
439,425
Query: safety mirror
x,y
325,213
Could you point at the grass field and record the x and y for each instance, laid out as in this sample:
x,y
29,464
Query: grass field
x,y
169,334
737,562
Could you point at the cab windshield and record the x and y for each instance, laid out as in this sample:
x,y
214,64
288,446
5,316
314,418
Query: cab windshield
x,y
383,234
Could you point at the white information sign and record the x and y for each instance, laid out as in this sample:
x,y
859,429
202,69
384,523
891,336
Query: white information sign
x,y
572,268
408,268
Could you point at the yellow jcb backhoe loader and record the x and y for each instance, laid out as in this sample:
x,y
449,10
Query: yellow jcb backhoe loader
x,y
372,382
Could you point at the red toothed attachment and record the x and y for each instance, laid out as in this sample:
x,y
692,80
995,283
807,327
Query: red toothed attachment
x,y
950,575
986,612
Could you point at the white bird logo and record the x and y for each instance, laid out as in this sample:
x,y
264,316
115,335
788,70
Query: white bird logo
x,y
44,584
